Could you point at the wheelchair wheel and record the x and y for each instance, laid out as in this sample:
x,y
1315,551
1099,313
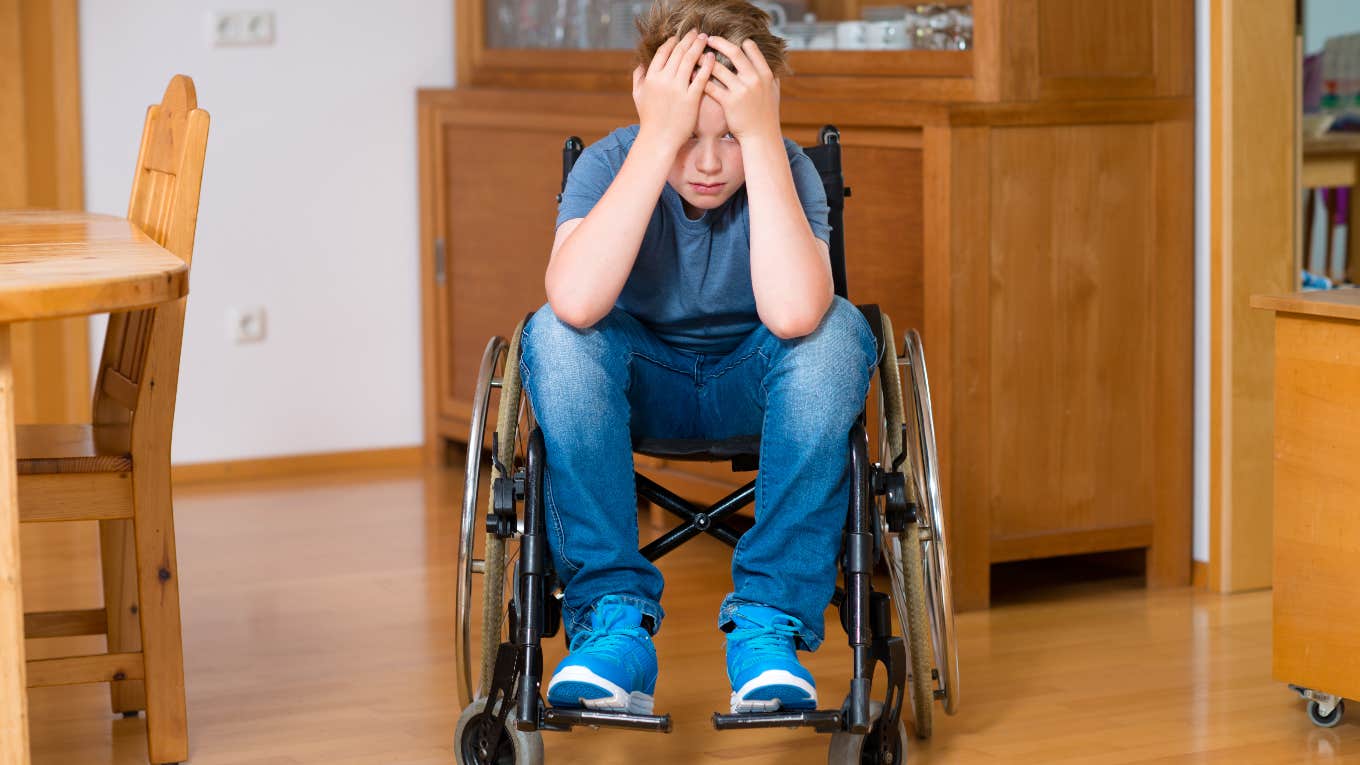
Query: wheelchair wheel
x,y
516,747
902,558
934,536
480,552
877,747
918,558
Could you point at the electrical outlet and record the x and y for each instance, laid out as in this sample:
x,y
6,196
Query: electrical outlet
x,y
241,28
247,325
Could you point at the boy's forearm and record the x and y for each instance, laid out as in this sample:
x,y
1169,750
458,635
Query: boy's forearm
x,y
586,275
790,273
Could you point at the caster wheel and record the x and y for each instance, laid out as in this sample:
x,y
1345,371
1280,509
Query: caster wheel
x,y
1326,721
517,747
877,747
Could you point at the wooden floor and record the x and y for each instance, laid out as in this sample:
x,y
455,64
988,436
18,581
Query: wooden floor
x,y
319,622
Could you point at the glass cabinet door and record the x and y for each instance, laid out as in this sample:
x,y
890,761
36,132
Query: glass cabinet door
x,y
854,25
570,24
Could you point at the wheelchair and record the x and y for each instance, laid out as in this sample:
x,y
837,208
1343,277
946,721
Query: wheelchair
x,y
894,514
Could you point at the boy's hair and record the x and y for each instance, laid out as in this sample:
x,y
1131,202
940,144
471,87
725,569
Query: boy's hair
x,y
732,20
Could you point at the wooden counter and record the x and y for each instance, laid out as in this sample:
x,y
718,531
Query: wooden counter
x,y
1317,489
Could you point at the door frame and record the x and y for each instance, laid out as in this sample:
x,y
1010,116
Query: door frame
x,y
1254,106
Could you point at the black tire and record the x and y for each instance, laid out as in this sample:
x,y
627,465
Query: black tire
x,y
1326,721
866,748
517,747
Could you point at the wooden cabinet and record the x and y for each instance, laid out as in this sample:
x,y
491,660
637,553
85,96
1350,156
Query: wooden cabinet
x,y
1027,204
1023,50
1316,615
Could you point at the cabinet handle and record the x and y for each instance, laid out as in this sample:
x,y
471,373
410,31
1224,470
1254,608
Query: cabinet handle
x,y
439,261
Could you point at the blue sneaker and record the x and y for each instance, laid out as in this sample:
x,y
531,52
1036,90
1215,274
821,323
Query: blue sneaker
x,y
611,667
762,664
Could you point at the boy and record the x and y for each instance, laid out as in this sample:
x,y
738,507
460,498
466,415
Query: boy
x,y
690,296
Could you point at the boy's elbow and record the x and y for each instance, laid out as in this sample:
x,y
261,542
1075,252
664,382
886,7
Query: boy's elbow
x,y
568,312
796,324
571,315
794,327
791,330
568,303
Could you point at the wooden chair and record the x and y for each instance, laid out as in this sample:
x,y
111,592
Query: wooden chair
x,y
116,470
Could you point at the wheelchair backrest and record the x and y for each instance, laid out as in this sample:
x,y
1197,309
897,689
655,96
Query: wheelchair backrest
x,y
825,156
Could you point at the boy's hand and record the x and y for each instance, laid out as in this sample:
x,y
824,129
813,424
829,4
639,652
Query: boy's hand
x,y
667,94
750,95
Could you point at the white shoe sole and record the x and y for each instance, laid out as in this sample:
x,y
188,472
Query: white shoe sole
x,y
742,705
618,700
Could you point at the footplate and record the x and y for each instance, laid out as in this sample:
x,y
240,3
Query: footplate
x,y
565,719
820,720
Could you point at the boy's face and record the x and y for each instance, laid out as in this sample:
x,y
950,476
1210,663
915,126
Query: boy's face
x,y
707,170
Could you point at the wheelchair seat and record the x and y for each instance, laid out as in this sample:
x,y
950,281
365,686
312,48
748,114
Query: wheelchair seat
x,y
699,449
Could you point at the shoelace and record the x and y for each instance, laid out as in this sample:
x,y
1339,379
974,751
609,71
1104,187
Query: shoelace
x,y
608,641
777,637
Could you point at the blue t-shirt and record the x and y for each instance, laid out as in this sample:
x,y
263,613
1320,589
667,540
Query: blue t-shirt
x,y
691,283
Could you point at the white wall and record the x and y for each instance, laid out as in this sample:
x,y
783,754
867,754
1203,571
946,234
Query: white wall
x,y
309,209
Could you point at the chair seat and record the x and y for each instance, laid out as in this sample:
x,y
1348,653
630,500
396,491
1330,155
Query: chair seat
x,y
46,449
699,449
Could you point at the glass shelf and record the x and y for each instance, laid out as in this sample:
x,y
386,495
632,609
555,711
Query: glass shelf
x,y
807,25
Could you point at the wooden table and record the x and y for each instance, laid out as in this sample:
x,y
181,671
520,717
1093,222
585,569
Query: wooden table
x,y
1330,161
52,265
1317,490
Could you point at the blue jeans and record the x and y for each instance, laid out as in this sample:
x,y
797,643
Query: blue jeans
x,y
595,390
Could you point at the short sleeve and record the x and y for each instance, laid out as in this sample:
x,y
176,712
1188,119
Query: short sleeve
x,y
586,184
808,183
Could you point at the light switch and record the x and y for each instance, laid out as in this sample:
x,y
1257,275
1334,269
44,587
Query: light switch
x,y
241,28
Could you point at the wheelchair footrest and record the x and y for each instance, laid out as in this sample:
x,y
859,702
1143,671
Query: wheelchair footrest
x,y
565,719
821,720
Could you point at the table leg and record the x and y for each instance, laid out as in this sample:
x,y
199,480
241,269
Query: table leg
x,y
13,685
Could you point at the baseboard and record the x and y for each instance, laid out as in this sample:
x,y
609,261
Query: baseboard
x,y
302,464
1055,543
1199,574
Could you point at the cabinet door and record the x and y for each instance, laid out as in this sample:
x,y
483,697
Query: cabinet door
x,y
497,205
1058,50
1091,364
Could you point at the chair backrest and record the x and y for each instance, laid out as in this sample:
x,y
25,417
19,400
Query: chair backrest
x,y
144,345
825,156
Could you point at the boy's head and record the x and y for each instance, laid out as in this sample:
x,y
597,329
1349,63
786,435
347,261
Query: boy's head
x,y
733,20
708,169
